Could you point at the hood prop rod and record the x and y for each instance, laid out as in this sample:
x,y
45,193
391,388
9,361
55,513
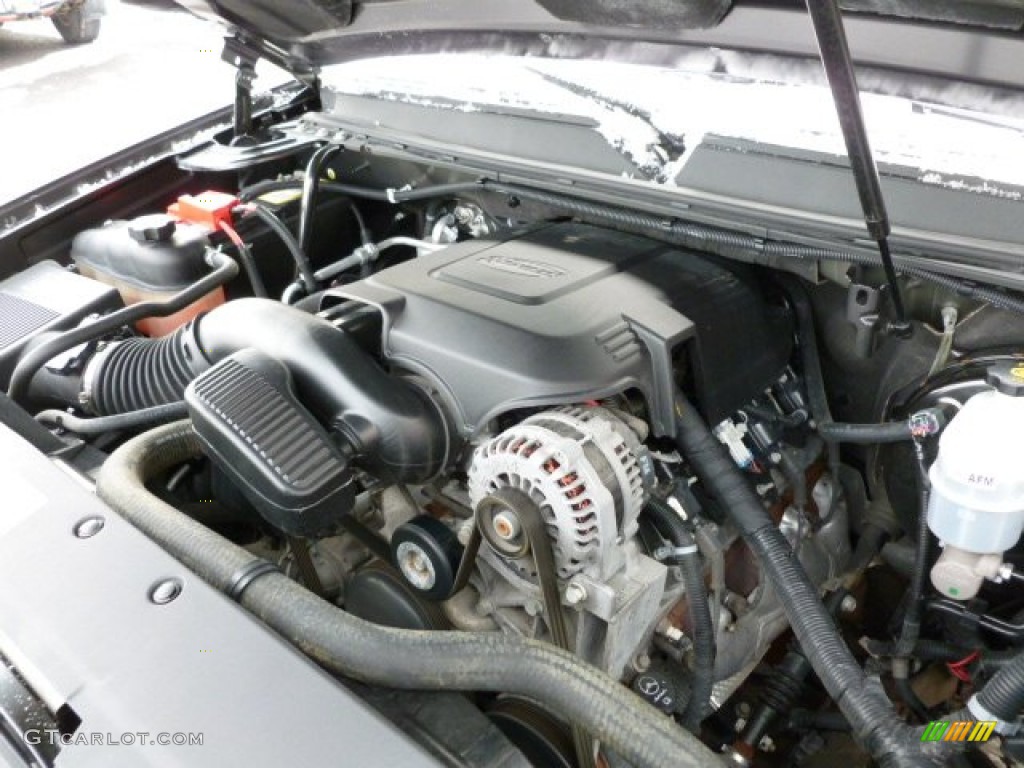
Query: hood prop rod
x,y
243,59
842,80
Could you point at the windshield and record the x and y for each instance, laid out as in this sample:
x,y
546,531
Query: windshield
x,y
657,118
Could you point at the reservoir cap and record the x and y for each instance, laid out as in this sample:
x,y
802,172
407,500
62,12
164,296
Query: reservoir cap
x,y
155,228
1007,378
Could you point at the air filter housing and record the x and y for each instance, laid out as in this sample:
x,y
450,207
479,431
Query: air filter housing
x,y
245,413
45,297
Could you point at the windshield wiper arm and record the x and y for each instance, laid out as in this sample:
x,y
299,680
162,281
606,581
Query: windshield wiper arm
x,y
842,80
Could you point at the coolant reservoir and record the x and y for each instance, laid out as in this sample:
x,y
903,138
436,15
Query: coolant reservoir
x,y
977,498
150,258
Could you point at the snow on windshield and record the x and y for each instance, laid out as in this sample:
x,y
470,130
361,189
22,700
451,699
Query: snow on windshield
x,y
633,106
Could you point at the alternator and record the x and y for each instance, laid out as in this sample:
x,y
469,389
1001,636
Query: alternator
x,y
585,469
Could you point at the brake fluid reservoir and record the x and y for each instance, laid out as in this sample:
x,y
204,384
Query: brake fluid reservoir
x,y
977,497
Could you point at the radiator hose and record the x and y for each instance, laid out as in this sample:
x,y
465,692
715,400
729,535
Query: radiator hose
x,y
393,427
681,534
377,655
1003,695
864,703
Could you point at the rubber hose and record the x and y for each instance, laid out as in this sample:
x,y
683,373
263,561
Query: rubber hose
x,y
863,703
98,425
377,655
811,362
298,255
365,235
910,698
871,541
1003,695
681,534
293,293
937,650
801,719
224,270
911,629
307,205
137,374
252,271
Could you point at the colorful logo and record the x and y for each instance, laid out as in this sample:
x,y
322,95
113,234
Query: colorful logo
x,y
958,730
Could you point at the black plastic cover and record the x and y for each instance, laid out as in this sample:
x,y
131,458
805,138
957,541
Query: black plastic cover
x,y
1007,378
151,252
245,412
45,297
378,594
570,312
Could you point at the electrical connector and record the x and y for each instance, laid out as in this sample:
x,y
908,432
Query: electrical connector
x,y
208,209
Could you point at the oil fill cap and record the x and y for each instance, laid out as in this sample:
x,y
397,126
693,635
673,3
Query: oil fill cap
x,y
1007,378
155,228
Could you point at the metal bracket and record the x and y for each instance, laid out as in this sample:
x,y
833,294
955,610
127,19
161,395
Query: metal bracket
x,y
862,311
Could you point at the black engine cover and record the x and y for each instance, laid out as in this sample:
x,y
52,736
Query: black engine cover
x,y
570,312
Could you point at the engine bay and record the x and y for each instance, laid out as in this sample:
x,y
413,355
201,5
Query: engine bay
x,y
539,428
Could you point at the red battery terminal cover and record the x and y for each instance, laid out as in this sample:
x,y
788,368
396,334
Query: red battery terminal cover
x,y
208,209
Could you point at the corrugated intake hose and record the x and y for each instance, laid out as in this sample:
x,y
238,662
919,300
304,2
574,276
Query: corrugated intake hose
x,y
396,658
393,427
681,534
225,269
140,373
1003,695
863,702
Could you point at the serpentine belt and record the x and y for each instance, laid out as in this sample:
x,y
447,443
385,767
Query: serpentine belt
x,y
538,542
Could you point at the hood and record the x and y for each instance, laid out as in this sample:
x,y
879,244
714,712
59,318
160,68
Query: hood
x,y
304,35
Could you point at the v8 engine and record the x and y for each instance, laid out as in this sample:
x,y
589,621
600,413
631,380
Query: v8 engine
x,y
535,460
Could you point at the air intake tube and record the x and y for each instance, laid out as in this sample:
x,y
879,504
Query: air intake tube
x,y
394,429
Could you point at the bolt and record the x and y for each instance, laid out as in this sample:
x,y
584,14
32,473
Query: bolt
x,y
165,591
848,604
673,634
641,662
89,527
575,593
506,525
416,566
766,744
